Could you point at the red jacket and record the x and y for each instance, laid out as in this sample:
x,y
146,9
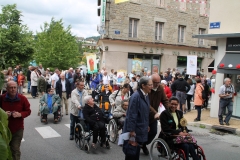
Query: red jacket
x,y
168,92
19,104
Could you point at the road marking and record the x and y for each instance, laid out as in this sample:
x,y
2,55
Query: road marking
x,y
47,132
23,140
68,125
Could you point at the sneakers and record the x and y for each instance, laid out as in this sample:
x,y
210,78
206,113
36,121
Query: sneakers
x,y
196,120
145,150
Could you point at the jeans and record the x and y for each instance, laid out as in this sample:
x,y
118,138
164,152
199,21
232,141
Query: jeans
x,y
74,121
223,103
199,110
34,91
15,144
188,148
29,86
189,97
152,132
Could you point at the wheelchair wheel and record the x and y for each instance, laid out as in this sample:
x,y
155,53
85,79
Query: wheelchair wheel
x,y
162,150
200,153
112,131
79,136
180,155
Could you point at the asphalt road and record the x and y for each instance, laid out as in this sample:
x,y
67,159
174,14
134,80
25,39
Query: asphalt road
x,y
35,147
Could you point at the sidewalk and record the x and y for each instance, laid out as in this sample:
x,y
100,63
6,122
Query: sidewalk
x,y
210,122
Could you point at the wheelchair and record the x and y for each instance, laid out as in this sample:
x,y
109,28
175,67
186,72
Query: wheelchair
x,y
113,128
83,134
59,115
163,148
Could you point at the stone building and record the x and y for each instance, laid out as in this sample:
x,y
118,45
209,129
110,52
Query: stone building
x,y
154,34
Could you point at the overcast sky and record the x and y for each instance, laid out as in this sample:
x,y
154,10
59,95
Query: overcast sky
x,y
80,14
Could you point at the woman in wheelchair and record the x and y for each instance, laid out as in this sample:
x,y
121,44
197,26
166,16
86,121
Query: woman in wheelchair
x,y
50,103
95,118
120,112
170,125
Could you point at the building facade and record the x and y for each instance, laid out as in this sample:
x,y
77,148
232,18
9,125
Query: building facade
x,y
225,30
154,34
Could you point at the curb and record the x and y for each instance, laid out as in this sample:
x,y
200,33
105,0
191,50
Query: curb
x,y
210,126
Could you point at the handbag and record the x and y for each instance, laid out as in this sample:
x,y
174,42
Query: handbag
x,y
130,148
184,139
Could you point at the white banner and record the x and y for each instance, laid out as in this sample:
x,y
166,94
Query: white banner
x,y
191,65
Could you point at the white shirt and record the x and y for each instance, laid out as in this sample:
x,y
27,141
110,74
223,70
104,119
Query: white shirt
x,y
106,79
191,91
63,86
81,72
54,78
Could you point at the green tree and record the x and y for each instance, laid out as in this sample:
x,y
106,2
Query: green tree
x,y
16,41
56,46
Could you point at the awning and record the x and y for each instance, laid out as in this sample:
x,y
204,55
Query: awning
x,y
216,36
230,61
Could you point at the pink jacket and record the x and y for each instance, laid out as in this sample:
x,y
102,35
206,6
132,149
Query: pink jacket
x,y
198,101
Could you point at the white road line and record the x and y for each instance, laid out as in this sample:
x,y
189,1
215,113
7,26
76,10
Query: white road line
x,y
23,140
68,125
47,132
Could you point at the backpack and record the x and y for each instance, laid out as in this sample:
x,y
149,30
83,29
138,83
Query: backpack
x,y
204,95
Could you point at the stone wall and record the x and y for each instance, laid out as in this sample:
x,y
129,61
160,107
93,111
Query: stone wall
x,y
147,11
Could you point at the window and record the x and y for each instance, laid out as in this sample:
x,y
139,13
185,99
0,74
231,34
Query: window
x,y
160,3
159,31
181,30
182,6
133,27
201,31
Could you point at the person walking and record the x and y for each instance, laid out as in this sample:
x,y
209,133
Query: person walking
x,y
17,108
77,104
29,78
207,93
198,100
156,96
63,89
190,94
226,94
137,118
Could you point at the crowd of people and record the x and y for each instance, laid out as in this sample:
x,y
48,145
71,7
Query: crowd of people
x,y
134,102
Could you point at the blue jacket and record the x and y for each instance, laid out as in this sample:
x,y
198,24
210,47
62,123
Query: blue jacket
x,y
137,118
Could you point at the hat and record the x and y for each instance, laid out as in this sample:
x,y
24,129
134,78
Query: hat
x,y
164,82
48,69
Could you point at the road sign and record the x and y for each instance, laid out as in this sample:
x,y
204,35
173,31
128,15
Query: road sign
x,y
117,32
215,25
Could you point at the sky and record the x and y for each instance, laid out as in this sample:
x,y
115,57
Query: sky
x,y
80,14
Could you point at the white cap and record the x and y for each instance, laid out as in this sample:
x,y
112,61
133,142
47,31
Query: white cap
x,y
164,82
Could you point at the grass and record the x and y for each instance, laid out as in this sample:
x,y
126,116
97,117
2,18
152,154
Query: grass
x,y
202,126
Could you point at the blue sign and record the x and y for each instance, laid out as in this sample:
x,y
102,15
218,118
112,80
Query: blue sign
x,y
117,32
214,25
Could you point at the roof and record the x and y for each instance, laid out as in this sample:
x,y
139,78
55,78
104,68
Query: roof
x,y
216,36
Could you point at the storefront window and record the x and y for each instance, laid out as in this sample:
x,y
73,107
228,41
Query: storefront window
x,y
147,62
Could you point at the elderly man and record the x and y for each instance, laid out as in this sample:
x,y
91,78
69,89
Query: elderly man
x,y
77,104
156,96
106,79
226,94
17,108
137,118
63,89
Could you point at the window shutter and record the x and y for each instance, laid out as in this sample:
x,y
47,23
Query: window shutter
x,y
135,28
179,34
182,34
160,30
130,28
156,31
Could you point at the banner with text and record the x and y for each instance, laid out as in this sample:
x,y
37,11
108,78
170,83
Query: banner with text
x,y
120,1
91,63
191,65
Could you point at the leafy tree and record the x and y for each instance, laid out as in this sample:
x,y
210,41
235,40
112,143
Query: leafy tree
x,y
56,46
16,41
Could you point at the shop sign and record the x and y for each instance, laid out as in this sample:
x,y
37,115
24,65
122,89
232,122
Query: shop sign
x,y
201,54
153,50
233,44
103,12
117,32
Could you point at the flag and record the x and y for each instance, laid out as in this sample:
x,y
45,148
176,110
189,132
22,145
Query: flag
x,y
120,1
